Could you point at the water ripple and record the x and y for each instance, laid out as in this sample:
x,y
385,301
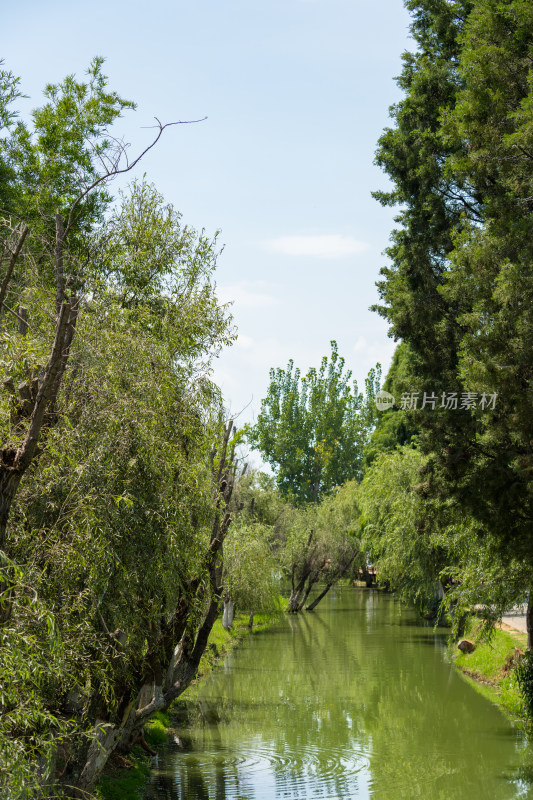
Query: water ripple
x,y
320,762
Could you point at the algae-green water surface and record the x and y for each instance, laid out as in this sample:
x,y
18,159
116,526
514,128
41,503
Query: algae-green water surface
x,y
354,700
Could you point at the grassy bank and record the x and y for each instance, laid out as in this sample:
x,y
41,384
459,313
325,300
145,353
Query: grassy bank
x,y
490,668
124,777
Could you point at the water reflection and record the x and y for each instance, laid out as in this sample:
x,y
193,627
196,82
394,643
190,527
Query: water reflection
x,y
353,701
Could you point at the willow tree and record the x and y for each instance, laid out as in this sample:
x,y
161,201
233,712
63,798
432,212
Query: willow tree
x,y
310,546
321,546
120,529
111,542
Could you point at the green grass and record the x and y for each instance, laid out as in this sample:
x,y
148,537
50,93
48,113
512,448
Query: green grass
x,y
122,782
490,668
156,730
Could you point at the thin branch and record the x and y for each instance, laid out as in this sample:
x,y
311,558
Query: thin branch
x,y
58,253
11,265
127,168
20,319
524,151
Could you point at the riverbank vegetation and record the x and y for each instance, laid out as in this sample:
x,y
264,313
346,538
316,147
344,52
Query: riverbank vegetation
x,y
491,666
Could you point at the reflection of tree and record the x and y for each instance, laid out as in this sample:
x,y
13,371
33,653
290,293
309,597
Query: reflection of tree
x,y
356,692
194,777
163,787
428,737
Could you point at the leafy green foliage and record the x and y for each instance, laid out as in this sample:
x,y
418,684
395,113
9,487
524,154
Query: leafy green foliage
x,y
68,150
394,427
9,92
524,674
250,569
303,545
405,549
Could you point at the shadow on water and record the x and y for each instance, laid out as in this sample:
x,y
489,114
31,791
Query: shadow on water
x,y
348,702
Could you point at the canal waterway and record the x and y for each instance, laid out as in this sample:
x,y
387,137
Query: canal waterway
x,y
355,700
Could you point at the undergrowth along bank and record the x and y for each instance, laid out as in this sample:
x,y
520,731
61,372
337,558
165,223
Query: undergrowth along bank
x,y
490,669
125,777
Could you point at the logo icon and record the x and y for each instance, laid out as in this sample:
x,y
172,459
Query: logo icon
x,y
384,400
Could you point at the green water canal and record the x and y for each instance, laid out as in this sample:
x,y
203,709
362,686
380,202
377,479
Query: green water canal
x,y
356,700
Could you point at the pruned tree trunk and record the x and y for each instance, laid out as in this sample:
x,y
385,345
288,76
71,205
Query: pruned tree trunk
x,y
529,621
227,616
22,321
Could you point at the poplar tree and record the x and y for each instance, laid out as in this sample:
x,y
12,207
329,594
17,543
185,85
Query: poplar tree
x,y
312,429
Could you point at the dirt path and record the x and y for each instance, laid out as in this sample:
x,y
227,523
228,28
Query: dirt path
x,y
516,618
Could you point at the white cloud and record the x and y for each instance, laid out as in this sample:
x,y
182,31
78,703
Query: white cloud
x,y
360,345
328,246
246,295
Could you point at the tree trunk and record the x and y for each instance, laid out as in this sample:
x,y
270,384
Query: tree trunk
x,y
317,600
294,600
310,583
104,743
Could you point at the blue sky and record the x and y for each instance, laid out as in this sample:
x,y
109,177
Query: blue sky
x,y
296,94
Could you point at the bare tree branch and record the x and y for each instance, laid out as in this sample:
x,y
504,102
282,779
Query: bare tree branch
x,y
117,171
58,253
